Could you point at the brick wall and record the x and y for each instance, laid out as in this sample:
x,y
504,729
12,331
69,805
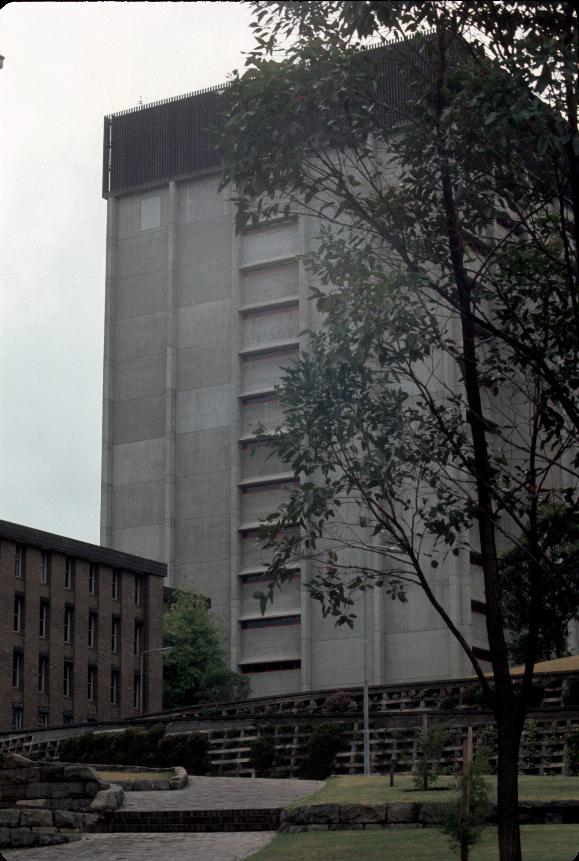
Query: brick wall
x,y
77,598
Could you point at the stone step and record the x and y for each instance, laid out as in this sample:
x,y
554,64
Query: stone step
x,y
155,821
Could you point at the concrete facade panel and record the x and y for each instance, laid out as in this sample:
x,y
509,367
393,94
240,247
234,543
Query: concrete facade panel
x,y
271,642
338,663
273,282
140,295
139,378
142,418
199,367
201,200
270,242
149,541
257,503
209,578
410,658
207,281
202,409
139,505
285,599
204,495
129,212
278,682
140,336
418,614
264,327
263,371
204,240
203,325
139,461
257,412
203,451
137,255
259,459
204,539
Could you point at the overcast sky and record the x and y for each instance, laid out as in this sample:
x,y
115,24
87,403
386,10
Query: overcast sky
x,y
66,66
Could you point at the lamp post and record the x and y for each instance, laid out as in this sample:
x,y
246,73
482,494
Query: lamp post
x,y
366,696
148,652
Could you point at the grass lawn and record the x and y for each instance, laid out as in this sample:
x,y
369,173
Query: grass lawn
x,y
112,776
540,843
375,789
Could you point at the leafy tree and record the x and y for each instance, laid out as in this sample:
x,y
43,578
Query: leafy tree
x,y
431,745
464,827
196,668
559,594
440,399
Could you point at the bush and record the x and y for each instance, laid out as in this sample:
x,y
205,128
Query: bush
x,y
340,701
570,693
532,747
139,747
464,830
262,754
485,752
430,748
573,752
321,747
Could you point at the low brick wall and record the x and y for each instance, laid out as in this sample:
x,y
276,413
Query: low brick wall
x,y
45,803
351,817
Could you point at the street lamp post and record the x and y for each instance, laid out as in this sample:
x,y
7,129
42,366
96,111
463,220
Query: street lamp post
x,y
142,687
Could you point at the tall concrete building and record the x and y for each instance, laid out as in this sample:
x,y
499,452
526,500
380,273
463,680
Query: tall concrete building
x,y
199,322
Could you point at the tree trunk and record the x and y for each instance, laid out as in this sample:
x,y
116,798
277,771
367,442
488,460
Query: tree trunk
x,y
509,739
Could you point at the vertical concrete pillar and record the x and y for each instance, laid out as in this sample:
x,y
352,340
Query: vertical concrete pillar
x,y
304,228
235,521
108,359
171,379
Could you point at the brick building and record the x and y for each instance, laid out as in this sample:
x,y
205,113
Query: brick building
x,y
77,623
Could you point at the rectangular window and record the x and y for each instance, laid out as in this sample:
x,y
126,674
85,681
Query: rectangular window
x,y
68,624
43,718
116,584
138,589
17,668
67,679
43,620
137,691
44,566
150,213
115,635
92,630
69,573
18,614
19,561
92,578
17,717
42,674
92,682
138,638
115,678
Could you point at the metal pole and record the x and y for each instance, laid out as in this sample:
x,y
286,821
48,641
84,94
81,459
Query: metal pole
x,y
142,670
366,698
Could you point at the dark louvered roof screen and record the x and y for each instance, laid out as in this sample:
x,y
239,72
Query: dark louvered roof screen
x,y
177,138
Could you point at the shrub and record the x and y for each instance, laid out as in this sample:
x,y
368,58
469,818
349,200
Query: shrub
x,y
340,701
485,752
430,748
573,752
570,693
532,747
320,749
139,747
462,827
262,754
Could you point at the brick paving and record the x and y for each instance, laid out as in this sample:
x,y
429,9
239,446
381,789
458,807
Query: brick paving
x,y
134,847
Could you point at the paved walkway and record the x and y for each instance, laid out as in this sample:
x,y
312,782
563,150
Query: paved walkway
x,y
202,793
223,793
152,847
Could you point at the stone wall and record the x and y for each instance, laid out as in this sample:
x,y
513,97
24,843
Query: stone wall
x,y
46,803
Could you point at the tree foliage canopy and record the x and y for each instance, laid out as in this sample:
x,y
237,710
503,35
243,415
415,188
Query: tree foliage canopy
x,y
436,410
196,669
